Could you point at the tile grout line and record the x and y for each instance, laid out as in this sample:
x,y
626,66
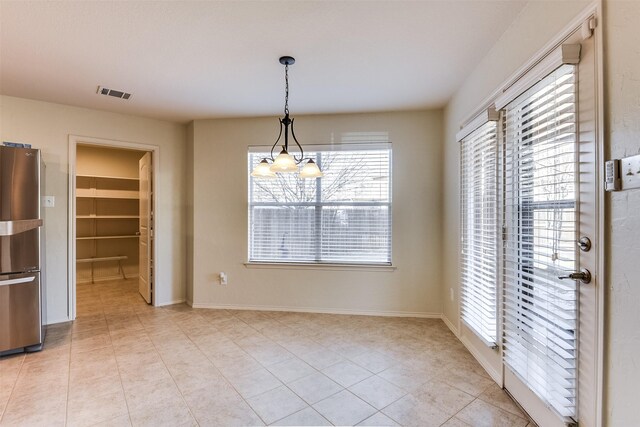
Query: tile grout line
x,y
398,399
461,409
284,383
263,367
13,387
110,346
66,409
322,373
168,370
312,333
310,405
217,369
126,401
412,394
129,308
522,414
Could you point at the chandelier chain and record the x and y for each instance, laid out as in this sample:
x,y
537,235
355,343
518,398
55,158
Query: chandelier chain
x,y
286,85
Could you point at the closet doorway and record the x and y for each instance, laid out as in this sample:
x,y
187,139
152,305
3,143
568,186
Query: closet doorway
x,y
112,215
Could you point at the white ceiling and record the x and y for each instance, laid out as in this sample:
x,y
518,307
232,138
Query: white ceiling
x,y
186,60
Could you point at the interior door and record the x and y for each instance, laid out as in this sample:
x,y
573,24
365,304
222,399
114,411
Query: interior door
x,y
549,300
145,269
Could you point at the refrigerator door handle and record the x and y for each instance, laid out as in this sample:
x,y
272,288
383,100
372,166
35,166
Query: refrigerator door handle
x,y
17,281
10,228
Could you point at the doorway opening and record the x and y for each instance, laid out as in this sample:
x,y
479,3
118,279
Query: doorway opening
x,y
112,224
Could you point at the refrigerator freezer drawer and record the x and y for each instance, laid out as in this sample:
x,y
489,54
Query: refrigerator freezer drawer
x,y
20,315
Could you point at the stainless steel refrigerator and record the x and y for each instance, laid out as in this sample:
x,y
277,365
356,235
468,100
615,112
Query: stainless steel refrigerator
x,y
21,290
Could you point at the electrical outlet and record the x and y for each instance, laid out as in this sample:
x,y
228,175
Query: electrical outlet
x,y
451,293
223,278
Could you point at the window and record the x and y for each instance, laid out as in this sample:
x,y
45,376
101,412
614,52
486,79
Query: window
x,y
479,225
343,217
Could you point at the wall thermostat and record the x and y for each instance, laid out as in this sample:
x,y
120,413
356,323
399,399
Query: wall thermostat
x,y
612,181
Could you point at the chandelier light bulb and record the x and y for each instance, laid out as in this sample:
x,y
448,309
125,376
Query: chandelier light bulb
x,y
310,170
263,170
284,163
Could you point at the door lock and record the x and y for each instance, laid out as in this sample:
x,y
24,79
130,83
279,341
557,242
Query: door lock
x,y
583,275
584,244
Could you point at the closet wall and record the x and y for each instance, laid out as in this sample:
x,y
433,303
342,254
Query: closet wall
x,y
107,209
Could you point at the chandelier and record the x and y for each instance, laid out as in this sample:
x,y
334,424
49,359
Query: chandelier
x,y
285,162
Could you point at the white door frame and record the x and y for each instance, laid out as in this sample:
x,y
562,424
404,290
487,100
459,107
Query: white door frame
x,y
74,140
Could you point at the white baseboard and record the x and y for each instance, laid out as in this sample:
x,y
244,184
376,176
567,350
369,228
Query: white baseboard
x,y
55,321
165,303
495,375
451,326
318,310
104,279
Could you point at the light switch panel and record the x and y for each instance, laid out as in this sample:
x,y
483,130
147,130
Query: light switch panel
x,y
630,172
48,201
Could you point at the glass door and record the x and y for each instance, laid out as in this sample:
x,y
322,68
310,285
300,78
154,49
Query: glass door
x,y
548,280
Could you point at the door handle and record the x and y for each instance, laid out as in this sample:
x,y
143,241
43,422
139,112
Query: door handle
x,y
17,281
10,228
583,275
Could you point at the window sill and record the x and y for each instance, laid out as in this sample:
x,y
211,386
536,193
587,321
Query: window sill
x,y
319,266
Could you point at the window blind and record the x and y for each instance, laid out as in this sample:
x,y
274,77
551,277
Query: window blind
x,y
540,310
479,258
343,217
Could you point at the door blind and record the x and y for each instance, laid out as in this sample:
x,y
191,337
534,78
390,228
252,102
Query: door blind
x,y
343,217
479,198
540,310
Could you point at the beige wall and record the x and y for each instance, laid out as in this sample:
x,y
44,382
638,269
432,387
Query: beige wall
x,y
92,160
622,127
220,219
47,126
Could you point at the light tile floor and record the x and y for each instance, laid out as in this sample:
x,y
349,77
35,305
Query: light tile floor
x,y
125,363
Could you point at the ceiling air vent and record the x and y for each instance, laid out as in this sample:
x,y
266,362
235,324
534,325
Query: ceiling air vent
x,y
112,92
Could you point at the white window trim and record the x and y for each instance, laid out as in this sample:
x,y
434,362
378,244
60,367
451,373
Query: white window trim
x,y
320,266
351,146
